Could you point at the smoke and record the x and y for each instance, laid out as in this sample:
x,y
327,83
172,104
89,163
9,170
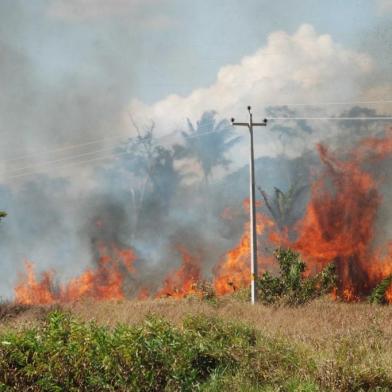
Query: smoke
x,y
303,67
384,5
57,91
63,84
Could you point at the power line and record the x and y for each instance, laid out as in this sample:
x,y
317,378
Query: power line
x,y
59,149
333,118
334,103
72,157
96,141
196,134
50,164
86,153
113,155
74,146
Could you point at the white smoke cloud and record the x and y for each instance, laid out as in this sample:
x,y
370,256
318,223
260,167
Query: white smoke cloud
x,y
303,67
385,5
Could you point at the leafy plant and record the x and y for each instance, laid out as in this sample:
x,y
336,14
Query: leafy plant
x,y
66,354
378,294
200,353
282,205
291,287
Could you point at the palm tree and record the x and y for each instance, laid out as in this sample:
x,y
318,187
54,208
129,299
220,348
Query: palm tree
x,y
208,142
283,205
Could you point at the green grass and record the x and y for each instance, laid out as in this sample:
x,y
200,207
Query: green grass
x,y
202,352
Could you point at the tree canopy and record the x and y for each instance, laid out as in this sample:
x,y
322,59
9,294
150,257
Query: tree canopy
x,y
208,142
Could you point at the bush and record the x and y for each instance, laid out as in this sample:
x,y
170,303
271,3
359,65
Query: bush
x,y
68,355
378,294
290,287
202,354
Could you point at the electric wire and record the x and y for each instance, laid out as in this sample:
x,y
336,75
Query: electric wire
x,y
68,158
51,164
64,148
375,102
192,135
121,137
69,164
333,118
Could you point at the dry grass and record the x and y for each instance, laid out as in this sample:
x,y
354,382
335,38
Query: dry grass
x,y
314,324
347,342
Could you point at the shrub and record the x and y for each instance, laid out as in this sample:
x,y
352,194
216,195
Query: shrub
x,y
290,287
65,354
378,294
202,353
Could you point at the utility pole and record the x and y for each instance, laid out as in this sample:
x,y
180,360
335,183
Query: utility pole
x,y
253,232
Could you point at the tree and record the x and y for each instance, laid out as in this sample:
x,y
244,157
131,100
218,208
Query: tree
x,y
155,178
3,214
152,164
282,206
208,142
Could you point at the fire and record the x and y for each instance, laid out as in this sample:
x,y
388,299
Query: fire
x,y
338,226
103,282
233,272
388,294
144,294
183,281
32,291
349,295
340,219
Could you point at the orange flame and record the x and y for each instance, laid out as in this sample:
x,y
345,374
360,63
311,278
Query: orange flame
x,y
143,294
31,291
233,272
338,226
103,282
183,281
339,222
388,294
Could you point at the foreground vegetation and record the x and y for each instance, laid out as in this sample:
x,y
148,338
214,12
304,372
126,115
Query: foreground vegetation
x,y
296,339
322,346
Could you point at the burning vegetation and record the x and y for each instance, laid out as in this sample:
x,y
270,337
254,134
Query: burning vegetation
x,y
103,282
338,228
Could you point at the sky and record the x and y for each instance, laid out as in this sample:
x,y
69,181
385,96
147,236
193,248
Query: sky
x,y
75,72
177,46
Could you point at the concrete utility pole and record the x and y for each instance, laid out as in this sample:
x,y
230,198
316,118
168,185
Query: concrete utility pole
x,y
253,233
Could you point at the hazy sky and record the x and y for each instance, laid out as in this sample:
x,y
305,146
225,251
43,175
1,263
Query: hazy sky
x,y
71,72
161,47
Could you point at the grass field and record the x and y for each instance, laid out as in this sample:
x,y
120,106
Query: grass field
x,y
321,346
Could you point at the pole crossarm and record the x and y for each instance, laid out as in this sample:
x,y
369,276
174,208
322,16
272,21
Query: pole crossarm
x,y
240,124
253,229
